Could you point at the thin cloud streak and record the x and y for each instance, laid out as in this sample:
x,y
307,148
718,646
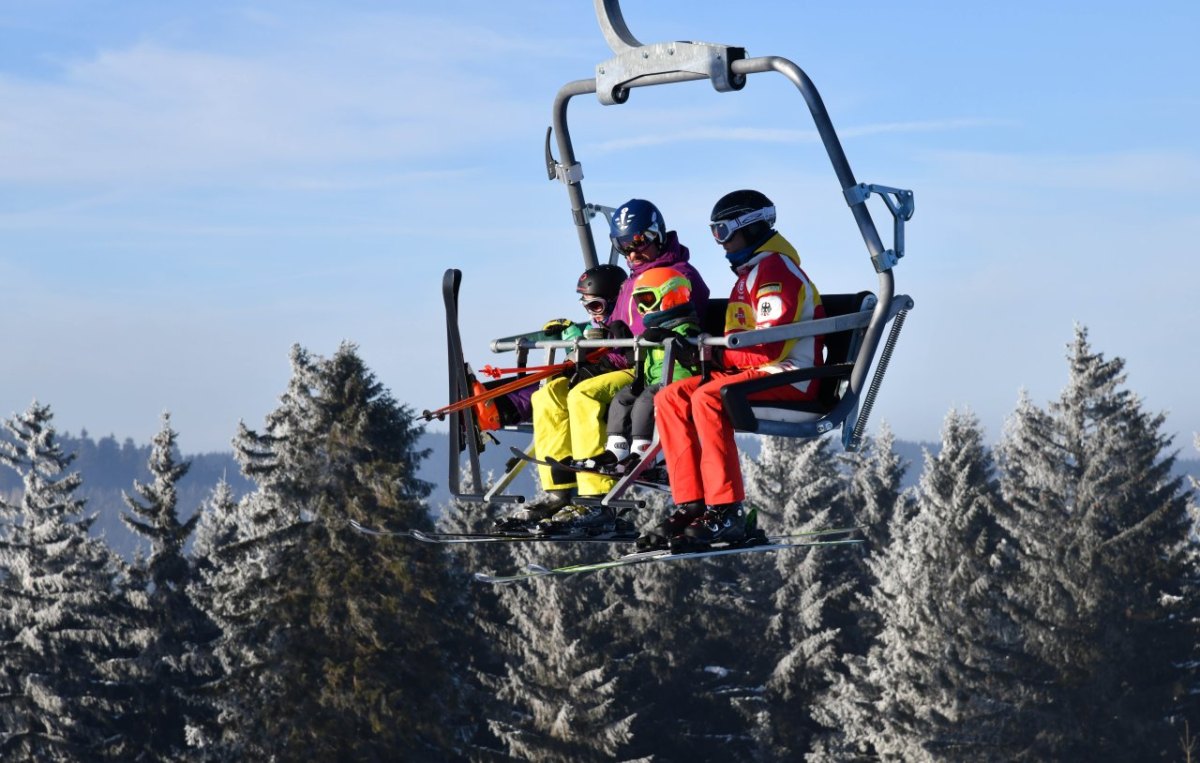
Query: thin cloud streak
x,y
780,135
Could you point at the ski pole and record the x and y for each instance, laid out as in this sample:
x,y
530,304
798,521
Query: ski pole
x,y
511,386
496,373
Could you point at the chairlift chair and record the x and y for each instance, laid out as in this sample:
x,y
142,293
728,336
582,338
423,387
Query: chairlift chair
x,y
854,323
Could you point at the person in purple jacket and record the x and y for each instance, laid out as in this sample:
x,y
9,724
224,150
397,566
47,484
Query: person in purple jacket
x,y
569,421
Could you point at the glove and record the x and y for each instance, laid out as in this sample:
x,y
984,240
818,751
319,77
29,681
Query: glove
x,y
588,370
658,334
685,352
718,358
595,332
620,330
557,326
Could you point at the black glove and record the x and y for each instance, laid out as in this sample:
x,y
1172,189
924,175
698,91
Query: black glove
x,y
685,352
588,370
620,330
658,334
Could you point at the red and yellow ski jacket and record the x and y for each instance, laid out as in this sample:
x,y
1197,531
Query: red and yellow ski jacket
x,y
772,290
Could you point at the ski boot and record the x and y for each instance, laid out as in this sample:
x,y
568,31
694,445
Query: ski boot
x,y
718,524
526,518
497,413
584,520
601,462
660,536
487,415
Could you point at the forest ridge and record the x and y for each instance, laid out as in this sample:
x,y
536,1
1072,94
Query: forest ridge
x,y
1032,601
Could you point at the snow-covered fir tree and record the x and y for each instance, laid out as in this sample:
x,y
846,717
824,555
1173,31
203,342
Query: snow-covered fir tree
x,y
556,683
937,684
1104,538
330,643
61,615
479,661
166,674
879,503
1190,708
685,642
798,488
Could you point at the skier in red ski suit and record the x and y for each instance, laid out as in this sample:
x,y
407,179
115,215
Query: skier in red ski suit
x,y
696,434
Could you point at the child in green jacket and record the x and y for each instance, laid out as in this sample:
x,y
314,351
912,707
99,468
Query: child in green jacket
x,y
663,298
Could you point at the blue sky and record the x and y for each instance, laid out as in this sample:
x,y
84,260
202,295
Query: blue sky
x,y
189,188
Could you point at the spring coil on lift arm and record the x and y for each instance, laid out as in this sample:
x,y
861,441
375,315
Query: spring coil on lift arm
x,y
868,401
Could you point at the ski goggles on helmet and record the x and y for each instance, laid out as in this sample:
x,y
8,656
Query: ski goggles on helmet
x,y
723,230
594,305
629,244
649,298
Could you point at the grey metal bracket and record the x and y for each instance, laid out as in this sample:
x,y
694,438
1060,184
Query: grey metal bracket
x,y
667,62
901,203
555,170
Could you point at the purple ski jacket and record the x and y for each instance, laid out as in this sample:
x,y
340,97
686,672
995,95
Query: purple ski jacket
x,y
673,255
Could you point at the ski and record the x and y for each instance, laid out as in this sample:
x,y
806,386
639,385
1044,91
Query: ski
x,y
497,537
518,537
665,555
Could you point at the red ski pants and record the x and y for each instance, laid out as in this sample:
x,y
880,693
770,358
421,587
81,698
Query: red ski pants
x,y
697,437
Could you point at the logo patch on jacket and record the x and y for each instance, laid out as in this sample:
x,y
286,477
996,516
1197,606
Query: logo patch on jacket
x,y
770,308
737,316
768,289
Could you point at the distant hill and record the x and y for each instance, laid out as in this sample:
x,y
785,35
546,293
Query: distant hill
x,y
109,468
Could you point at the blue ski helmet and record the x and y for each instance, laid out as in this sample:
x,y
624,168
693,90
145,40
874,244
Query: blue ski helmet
x,y
636,223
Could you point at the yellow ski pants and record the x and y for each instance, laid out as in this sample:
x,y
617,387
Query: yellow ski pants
x,y
573,422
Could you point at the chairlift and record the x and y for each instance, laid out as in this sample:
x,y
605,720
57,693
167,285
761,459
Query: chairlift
x,y
854,324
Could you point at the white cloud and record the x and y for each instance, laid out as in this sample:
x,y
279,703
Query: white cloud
x,y
159,113
724,133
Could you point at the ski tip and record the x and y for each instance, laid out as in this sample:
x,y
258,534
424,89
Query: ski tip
x,y
354,524
483,577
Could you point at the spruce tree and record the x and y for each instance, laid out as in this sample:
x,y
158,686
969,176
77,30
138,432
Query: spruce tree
x,y
685,640
1104,538
549,662
166,674
61,617
938,683
879,505
330,645
797,485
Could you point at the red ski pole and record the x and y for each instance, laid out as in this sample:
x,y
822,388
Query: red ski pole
x,y
512,386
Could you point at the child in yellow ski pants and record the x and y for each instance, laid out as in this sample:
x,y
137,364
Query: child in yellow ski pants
x,y
572,422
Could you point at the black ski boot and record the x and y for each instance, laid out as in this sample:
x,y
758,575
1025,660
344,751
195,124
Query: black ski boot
x,y
659,536
718,524
527,517
601,462
575,521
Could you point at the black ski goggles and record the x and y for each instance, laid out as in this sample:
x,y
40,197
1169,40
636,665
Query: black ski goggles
x,y
627,245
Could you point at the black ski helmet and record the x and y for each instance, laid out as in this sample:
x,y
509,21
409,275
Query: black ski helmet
x,y
740,204
636,217
602,281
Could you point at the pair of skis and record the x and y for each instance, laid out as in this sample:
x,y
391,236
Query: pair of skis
x,y
778,543
496,537
827,537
